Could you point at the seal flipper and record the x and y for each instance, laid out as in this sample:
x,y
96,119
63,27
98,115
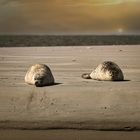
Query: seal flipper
x,y
86,76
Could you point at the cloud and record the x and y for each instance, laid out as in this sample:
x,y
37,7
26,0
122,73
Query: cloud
x,y
54,16
97,2
94,3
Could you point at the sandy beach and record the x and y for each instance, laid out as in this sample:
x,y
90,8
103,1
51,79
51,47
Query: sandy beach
x,y
73,103
68,134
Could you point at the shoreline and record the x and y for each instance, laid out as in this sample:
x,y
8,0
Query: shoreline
x,y
67,40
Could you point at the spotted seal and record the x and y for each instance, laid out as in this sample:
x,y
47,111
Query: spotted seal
x,y
39,75
106,71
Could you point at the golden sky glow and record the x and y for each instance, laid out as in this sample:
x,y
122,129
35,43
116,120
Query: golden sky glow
x,y
69,16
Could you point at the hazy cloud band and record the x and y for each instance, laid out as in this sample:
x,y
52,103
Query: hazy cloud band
x,y
80,16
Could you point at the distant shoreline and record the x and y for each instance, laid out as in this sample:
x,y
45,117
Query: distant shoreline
x,y
67,40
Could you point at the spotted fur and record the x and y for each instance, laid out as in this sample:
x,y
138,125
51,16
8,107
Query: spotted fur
x,y
39,75
106,71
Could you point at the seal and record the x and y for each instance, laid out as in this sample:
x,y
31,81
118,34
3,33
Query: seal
x,y
106,71
39,75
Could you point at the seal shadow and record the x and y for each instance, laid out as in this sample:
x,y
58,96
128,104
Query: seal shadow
x,y
50,85
125,80
56,84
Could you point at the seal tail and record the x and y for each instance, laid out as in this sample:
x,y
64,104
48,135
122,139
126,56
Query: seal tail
x,y
86,76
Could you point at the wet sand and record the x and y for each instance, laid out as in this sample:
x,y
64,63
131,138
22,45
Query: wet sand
x,y
73,103
67,134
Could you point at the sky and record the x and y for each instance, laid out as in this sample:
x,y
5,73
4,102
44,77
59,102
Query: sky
x,y
69,16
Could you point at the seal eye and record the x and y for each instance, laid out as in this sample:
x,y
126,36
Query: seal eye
x,y
35,78
38,78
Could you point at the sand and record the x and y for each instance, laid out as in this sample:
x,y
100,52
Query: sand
x,y
67,135
73,103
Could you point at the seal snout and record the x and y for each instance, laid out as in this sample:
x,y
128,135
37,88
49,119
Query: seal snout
x,y
38,84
